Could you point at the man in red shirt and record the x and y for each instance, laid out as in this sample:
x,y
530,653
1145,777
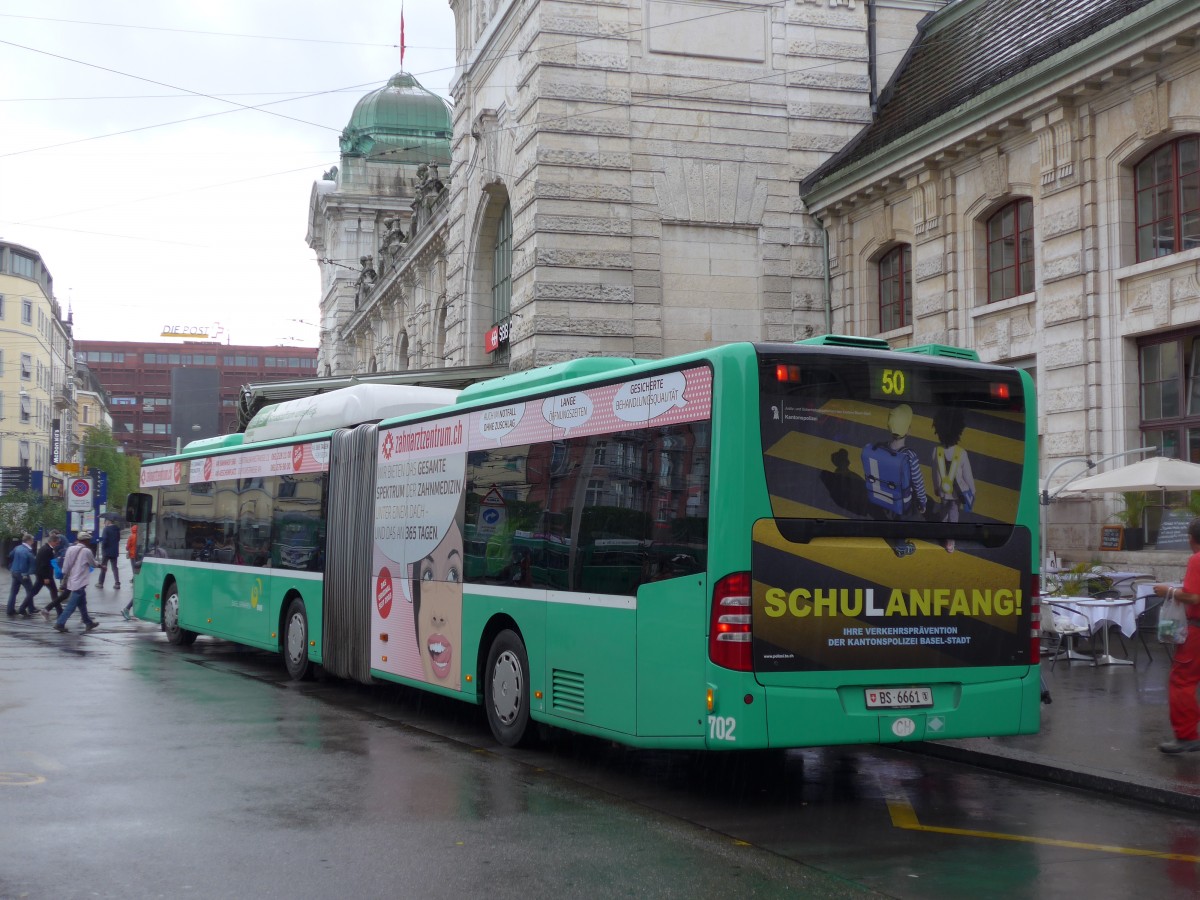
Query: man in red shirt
x,y
1185,670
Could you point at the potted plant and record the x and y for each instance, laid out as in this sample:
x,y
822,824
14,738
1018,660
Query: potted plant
x,y
1081,580
1131,518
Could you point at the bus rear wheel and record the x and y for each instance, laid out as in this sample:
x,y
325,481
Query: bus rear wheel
x,y
506,690
180,637
295,642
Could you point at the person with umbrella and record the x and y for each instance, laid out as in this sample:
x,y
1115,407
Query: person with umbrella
x,y
110,550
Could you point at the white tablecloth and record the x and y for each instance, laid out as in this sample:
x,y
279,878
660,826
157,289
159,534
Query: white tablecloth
x,y
1095,613
1147,590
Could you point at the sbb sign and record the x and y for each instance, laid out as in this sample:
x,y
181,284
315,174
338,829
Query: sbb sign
x,y
497,336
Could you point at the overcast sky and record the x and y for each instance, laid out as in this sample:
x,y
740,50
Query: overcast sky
x,y
153,205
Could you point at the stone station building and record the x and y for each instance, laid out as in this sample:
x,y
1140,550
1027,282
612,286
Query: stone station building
x,y
648,177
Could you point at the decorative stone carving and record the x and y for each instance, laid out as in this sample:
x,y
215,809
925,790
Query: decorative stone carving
x,y
1064,149
925,203
723,192
1056,147
995,173
1148,110
930,267
933,212
485,131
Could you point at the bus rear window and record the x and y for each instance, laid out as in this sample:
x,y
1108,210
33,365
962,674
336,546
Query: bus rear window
x,y
877,436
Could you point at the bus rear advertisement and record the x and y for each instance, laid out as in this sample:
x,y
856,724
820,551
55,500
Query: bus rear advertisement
x,y
770,545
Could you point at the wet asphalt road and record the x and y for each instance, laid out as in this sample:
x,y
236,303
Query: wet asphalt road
x,y
130,769
134,769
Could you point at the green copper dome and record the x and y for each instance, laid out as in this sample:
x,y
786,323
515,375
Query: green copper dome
x,y
402,122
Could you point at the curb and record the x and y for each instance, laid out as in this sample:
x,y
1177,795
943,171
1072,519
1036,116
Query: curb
x,y
1043,769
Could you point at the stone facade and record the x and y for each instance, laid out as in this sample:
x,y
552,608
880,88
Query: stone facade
x,y
1069,143
648,153
382,250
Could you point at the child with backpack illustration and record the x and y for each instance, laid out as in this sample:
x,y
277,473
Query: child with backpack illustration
x,y
893,475
953,483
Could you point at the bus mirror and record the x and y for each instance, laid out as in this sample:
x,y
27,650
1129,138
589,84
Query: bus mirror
x,y
138,508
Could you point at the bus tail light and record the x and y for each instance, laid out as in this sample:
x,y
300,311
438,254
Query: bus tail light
x,y
1035,619
729,637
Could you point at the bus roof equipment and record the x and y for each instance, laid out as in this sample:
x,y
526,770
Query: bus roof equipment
x,y
343,408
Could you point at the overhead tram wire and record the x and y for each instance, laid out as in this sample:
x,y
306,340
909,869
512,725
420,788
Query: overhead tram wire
x,y
574,42
203,187
261,37
239,106
261,107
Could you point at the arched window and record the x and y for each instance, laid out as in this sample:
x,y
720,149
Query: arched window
x,y
1010,251
1167,184
439,337
895,288
402,352
502,266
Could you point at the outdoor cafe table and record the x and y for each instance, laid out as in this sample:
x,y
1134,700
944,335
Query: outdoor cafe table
x,y
1097,614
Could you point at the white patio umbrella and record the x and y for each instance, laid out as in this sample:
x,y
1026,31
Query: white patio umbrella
x,y
1159,473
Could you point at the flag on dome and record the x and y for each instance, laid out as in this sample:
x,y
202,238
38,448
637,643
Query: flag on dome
x,y
401,35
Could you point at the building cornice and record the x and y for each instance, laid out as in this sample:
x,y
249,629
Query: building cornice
x,y
1102,50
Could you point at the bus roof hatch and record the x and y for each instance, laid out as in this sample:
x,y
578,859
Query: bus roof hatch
x,y
942,350
846,340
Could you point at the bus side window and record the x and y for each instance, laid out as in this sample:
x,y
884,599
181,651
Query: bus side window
x,y
139,508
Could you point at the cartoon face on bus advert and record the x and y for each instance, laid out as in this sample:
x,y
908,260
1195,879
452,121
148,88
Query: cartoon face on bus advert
x,y
418,550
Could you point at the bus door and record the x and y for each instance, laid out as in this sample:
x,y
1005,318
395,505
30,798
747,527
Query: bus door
x,y
671,625
591,650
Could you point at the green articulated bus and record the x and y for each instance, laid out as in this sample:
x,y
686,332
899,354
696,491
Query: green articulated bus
x,y
754,546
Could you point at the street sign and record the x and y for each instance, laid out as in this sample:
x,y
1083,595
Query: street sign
x,y
68,468
492,514
79,495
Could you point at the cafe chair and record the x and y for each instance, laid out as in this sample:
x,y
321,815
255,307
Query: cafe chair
x,y
1147,620
1063,628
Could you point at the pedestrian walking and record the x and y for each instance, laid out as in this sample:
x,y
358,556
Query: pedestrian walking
x,y
20,567
1185,668
131,551
77,573
110,550
43,574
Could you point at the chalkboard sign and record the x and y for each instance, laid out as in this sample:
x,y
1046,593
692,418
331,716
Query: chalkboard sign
x,y
1172,535
1112,537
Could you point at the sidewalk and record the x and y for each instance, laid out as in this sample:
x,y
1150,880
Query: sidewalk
x,y
104,603
1100,733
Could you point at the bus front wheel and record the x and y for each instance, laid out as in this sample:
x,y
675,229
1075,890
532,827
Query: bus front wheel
x,y
180,637
295,642
506,692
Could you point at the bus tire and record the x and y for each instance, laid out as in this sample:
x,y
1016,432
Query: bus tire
x,y
506,690
295,642
180,637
